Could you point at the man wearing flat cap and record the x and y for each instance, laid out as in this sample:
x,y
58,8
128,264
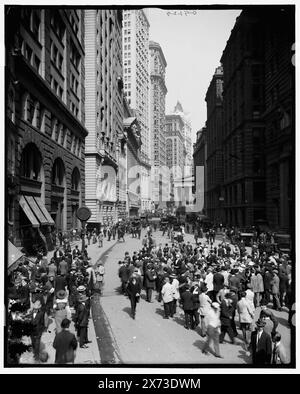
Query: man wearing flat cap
x,y
261,345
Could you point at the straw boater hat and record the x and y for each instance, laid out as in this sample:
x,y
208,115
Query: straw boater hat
x,y
81,289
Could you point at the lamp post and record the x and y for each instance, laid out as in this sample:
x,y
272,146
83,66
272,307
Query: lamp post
x,y
83,214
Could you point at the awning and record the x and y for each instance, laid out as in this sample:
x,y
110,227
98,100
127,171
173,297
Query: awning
x,y
34,207
44,210
14,256
28,212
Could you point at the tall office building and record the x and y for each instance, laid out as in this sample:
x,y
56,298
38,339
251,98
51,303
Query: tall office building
x,y
158,93
176,153
137,88
214,136
104,111
44,122
187,134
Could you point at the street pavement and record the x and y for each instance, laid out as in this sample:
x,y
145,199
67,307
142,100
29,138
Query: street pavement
x,y
149,339
91,354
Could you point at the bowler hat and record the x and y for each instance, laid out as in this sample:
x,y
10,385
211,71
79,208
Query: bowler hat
x,y
61,294
260,323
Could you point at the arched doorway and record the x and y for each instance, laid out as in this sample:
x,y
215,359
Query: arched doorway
x,y
59,195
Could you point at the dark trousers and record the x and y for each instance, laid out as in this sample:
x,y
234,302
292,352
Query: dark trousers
x,y
35,342
174,305
195,318
212,335
148,294
188,317
123,287
226,329
83,335
233,326
168,308
267,295
133,305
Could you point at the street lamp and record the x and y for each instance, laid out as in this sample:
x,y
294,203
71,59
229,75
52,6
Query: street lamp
x,y
83,214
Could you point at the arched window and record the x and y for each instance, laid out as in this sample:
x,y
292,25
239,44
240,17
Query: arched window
x,y
58,173
75,179
31,162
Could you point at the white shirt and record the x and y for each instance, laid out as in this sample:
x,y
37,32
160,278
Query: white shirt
x,y
213,318
175,287
209,281
167,292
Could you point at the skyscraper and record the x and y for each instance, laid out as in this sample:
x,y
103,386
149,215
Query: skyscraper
x,y
158,93
136,87
104,117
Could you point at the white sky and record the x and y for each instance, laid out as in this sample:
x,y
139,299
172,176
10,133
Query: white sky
x,y
193,46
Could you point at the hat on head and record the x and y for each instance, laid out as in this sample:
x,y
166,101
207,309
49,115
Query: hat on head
x,y
61,294
260,323
173,276
62,301
215,305
81,288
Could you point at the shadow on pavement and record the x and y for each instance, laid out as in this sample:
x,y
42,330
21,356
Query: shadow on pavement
x,y
127,309
160,312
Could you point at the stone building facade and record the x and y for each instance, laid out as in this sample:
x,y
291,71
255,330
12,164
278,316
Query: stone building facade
x,y
104,112
45,133
158,93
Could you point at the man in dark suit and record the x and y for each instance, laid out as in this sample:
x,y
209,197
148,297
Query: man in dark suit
x,y
37,322
65,344
133,291
187,305
218,282
81,320
149,279
225,317
124,276
261,345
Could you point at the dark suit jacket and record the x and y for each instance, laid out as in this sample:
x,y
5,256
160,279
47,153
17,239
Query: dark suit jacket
x,y
218,281
124,273
38,323
82,315
149,280
187,301
262,351
225,314
65,343
133,289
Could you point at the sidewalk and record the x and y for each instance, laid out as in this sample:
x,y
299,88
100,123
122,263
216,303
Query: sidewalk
x,y
91,354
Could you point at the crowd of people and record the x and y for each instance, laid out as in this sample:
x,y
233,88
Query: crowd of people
x,y
214,285
59,289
